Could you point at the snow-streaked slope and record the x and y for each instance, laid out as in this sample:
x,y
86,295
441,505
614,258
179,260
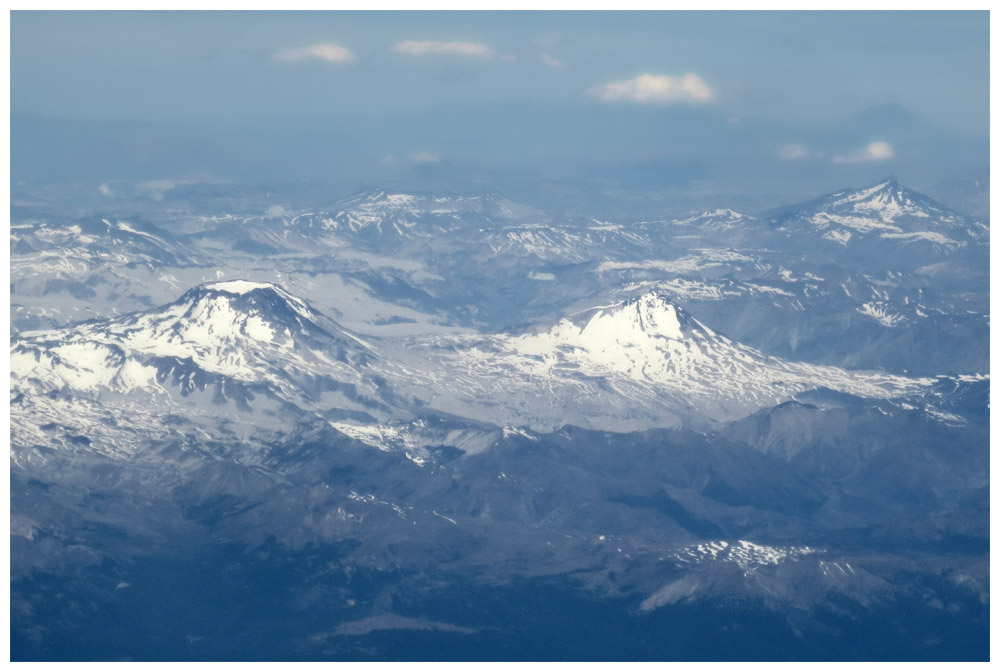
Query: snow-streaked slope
x,y
38,243
799,577
62,270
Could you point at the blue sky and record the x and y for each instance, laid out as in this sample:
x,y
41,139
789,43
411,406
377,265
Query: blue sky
x,y
800,67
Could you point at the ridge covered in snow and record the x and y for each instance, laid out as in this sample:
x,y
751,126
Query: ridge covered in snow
x,y
398,218
747,555
719,219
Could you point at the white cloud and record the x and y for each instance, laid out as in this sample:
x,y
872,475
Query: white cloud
x,y
423,48
551,61
424,157
330,53
875,151
648,88
794,152
156,189
105,190
275,211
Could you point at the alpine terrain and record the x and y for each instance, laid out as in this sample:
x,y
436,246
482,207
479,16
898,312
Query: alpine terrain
x,y
446,425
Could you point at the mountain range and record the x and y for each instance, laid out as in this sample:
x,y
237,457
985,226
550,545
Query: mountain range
x,y
453,426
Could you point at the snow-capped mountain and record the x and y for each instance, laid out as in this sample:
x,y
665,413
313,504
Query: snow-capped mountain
x,y
635,365
250,332
224,351
886,212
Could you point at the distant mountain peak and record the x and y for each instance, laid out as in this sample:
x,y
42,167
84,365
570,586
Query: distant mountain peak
x,y
884,191
887,186
721,218
377,197
887,116
884,209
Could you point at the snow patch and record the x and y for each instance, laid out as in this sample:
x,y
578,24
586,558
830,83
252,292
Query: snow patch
x,y
931,236
239,286
880,312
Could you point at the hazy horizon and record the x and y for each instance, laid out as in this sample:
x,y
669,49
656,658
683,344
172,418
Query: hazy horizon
x,y
828,96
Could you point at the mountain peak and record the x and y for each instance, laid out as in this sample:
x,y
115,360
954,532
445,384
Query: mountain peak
x,y
245,331
887,190
238,286
256,309
253,291
378,198
883,210
665,362
888,183
885,118
656,315
649,316
721,218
